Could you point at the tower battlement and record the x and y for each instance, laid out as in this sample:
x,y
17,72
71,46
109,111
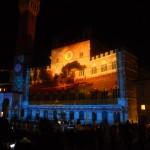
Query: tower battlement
x,y
102,55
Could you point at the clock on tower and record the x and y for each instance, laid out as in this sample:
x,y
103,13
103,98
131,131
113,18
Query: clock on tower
x,y
68,55
17,67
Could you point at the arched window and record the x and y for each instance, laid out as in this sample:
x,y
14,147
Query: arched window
x,y
94,116
71,115
103,67
104,116
94,70
81,115
114,65
63,115
55,115
46,114
22,113
37,115
116,117
29,115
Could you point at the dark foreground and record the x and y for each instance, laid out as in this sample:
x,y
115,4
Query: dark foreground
x,y
49,135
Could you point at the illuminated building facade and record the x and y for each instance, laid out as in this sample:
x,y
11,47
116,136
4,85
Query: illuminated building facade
x,y
76,85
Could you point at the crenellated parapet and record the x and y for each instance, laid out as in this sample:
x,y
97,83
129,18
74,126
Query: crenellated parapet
x,y
80,52
98,65
103,55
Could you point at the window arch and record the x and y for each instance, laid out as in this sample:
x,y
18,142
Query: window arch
x,y
103,67
37,115
54,114
94,116
81,115
29,115
116,117
46,114
114,65
71,115
22,113
104,116
63,115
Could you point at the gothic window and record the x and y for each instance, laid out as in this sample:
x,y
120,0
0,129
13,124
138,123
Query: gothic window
x,y
81,115
103,67
94,116
94,70
63,115
104,116
81,54
29,115
54,115
37,115
114,65
22,112
81,72
71,115
116,117
46,114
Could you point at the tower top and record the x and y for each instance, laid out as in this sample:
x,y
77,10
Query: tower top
x,y
32,6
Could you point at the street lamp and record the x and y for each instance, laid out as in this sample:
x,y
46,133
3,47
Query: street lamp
x,y
143,118
142,107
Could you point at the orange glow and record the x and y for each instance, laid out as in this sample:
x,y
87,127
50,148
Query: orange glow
x,y
73,69
83,66
67,54
81,52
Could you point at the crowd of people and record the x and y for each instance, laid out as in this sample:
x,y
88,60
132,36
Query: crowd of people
x,y
46,134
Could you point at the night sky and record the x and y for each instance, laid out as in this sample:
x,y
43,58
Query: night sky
x,y
114,24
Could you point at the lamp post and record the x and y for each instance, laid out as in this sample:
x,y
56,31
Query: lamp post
x,y
143,107
143,115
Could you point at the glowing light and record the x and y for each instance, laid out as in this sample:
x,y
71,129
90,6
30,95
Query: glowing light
x,y
68,55
142,107
59,122
0,89
2,114
12,146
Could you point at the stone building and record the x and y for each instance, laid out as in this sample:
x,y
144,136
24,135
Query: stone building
x,y
75,86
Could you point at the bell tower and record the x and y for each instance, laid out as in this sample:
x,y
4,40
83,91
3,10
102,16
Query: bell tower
x,y
28,11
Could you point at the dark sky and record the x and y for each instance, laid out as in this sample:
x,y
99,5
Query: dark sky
x,y
114,24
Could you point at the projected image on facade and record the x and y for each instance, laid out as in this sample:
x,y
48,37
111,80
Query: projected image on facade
x,y
84,81
74,77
